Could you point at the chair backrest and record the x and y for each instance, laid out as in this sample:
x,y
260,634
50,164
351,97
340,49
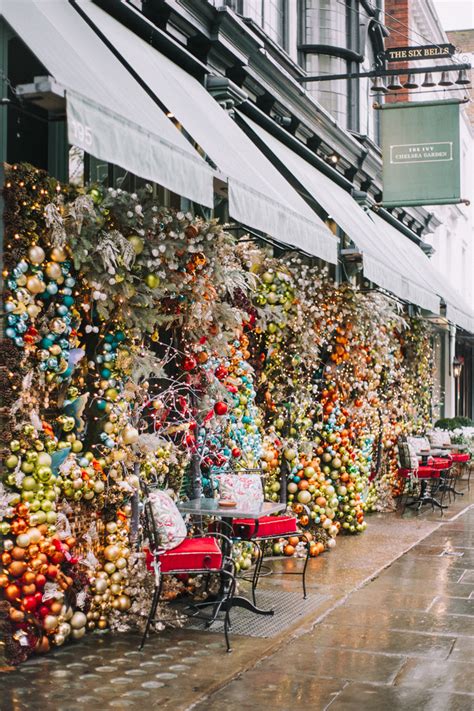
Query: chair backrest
x,y
419,444
439,438
245,489
407,456
165,525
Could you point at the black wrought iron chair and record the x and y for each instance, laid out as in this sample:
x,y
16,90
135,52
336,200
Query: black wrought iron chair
x,y
266,530
195,555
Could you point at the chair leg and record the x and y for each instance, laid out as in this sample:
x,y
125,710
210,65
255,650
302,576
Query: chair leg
x,y
303,574
154,606
257,570
227,624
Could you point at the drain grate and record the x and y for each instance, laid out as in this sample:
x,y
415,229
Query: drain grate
x,y
289,607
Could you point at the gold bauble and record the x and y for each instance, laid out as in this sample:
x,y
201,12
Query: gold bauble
x,y
36,254
129,435
102,623
124,603
53,270
58,254
35,285
33,310
111,553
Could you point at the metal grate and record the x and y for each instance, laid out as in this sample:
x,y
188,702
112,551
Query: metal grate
x,y
289,607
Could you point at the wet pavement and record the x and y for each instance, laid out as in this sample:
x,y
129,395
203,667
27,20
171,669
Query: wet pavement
x,y
392,628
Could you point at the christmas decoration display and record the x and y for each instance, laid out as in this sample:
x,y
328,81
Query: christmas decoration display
x,y
143,343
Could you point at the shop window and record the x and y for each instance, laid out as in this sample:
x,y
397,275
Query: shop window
x,y
28,132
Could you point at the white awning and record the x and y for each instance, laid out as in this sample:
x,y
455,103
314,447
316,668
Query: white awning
x,y
421,269
417,268
259,197
382,261
109,115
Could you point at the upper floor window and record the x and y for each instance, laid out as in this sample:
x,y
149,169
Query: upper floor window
x,y
270,15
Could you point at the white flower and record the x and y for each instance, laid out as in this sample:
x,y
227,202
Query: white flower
x,y
134,196
129,214
139,210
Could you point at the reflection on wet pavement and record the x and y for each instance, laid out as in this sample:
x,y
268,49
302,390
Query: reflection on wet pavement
x,y
397,637
403,641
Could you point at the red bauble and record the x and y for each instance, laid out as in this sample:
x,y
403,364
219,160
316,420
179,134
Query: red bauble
x,y
220,372
236,453
44,610
189,363
40,581
220,408
29,604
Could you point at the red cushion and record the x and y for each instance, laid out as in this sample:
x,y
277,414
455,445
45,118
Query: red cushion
x,y
441,463
191,554
459,457
421,472
267,526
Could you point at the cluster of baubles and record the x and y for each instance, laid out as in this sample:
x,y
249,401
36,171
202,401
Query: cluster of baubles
x,y
42,294
33,561
275,367
110,584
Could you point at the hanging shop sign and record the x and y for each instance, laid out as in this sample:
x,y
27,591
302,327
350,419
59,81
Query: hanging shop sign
x,y
427,51
421,156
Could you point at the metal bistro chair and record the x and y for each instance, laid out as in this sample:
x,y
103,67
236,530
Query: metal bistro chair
x,y
424,480
265,530
195,555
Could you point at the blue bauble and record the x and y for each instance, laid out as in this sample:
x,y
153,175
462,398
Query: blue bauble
x,y
52,288
22,266
64,343
47,342
10,306
52,363
67,373
69,282
11,319
10,332
62,310
21,327
106,373
101,404
107,347
109,357
11,283
108,338
120,336
19,342
68,301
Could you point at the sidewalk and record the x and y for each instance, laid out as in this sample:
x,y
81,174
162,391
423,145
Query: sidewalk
x,y
371,635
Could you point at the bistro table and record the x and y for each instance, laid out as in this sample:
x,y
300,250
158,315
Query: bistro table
x,y
210,507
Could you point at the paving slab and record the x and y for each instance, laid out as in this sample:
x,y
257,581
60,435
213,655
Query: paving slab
x,y
356,696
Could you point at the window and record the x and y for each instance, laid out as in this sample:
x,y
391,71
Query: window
x,y
369,118
269,15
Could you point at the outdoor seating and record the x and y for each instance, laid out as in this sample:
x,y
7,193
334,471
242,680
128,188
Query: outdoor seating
x,y
460,460
172,552
266,530
422,482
